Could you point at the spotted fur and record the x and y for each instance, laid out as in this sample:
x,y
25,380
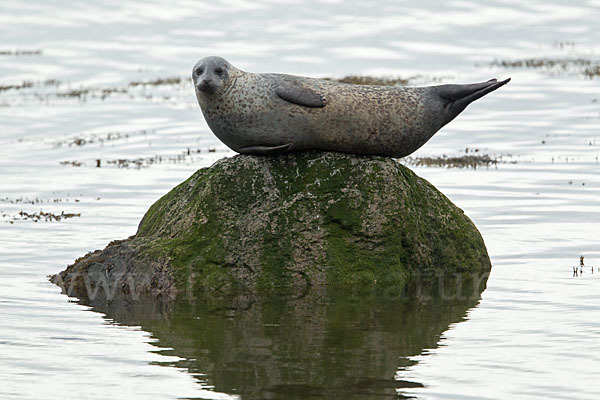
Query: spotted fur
x,y
245,112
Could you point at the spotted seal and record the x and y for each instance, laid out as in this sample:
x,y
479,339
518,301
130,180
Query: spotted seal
x,y
273,113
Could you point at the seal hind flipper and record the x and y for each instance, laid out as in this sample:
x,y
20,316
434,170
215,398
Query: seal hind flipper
x,y
458,97
266,150
300,95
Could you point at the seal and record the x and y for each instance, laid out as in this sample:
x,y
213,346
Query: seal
x,y
266,114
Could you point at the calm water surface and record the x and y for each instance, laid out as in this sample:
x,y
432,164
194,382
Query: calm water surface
x,y
73,95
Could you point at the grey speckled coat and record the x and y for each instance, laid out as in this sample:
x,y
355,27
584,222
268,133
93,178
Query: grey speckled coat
x,y
273,113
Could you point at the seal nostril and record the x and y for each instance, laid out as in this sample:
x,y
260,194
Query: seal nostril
x,y
204,85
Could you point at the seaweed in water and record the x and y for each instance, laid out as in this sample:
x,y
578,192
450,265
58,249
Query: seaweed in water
x,y
586,67
19,52
466,161
40,216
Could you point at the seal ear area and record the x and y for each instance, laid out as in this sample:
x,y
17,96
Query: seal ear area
x,y
300,95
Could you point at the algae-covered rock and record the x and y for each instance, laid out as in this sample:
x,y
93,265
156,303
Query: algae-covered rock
x,y
294,220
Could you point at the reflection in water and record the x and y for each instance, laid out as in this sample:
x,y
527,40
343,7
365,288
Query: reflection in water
x,y
320,345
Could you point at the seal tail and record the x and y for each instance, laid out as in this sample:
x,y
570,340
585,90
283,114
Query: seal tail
x,y
458,97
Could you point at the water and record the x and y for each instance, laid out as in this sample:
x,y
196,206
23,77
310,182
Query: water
x,y
533,333
336,345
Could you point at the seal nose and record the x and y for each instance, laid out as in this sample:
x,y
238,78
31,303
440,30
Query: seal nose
x,y
205,85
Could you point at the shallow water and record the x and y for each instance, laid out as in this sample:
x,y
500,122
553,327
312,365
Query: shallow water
x,y
532,335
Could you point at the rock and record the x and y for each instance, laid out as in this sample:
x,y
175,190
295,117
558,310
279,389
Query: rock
x,y
290,221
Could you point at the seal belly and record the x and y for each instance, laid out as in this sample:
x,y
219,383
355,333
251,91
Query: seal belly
x,y
372,120
256,122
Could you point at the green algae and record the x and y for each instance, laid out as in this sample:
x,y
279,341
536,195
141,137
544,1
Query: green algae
x,y
325,219
300,220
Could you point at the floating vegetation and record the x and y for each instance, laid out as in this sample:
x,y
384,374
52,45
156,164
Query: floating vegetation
x,y
140,162
136,162
72,163
38,200
40,216
564,44
22,85
148,161
23,200
592,71
20,52
52,82
134,89
578,271
84,93
89,138
157,82
564,63
466,161
586,67
79,93
107,92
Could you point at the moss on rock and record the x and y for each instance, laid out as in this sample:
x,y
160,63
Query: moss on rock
x,y
299,219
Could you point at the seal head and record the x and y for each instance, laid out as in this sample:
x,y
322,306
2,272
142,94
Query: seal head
x,y
211,74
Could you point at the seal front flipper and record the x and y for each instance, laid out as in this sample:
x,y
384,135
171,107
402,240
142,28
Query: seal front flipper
x,y
300,95
266,150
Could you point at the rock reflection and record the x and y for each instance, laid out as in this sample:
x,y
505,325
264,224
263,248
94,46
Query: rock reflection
x,y
334,345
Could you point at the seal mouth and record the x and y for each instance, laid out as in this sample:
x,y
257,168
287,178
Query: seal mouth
x,y
205,86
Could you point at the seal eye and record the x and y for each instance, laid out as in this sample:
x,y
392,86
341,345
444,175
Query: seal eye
x,y
199,71
219,71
